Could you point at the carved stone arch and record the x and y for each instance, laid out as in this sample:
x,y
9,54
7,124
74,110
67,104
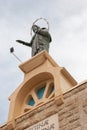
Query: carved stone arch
x,y
26,89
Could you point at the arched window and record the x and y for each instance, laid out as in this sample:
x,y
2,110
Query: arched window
x,y
43,91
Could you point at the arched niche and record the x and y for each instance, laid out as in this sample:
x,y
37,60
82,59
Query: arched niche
x,y
31,86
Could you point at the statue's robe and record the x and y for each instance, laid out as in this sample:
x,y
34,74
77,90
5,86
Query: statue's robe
x,y
40,41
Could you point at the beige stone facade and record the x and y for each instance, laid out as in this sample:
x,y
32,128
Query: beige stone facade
x,y
62,108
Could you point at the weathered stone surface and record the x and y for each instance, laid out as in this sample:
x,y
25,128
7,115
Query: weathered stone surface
x,y
72,114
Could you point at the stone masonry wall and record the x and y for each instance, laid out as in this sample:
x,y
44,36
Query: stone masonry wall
x,y
72,114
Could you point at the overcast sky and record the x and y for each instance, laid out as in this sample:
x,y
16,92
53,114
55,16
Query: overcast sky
x,y
68,28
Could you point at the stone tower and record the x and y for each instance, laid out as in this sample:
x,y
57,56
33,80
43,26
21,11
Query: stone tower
x,y
49,98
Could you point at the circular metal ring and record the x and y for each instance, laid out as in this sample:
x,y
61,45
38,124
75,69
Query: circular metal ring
x,y
38,20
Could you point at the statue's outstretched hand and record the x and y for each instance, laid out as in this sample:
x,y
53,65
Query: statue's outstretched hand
x,y
20,41
24,43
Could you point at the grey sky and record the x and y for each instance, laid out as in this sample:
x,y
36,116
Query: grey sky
x,y
68,28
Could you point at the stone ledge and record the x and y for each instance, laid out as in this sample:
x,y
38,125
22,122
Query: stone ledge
x,y
76,89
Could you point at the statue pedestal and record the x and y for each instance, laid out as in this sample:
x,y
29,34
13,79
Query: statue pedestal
x,y
44,81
